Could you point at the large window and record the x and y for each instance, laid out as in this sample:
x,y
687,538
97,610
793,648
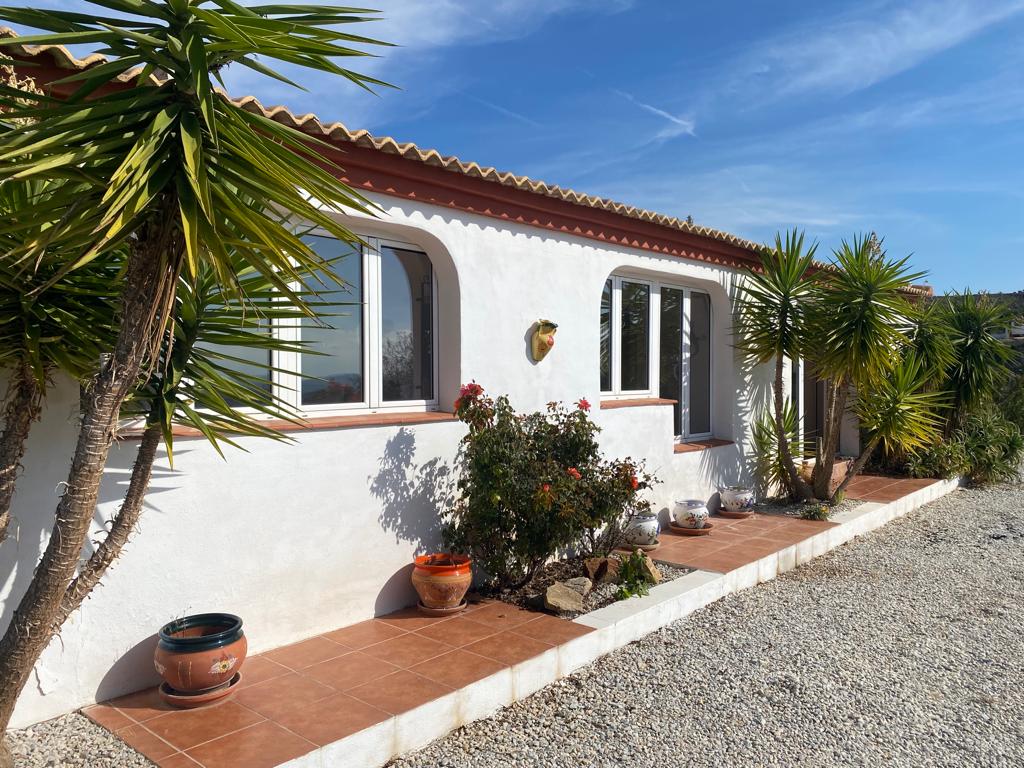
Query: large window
x,y
656,340
373,346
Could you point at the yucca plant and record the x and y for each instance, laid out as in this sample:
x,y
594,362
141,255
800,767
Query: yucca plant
x,y
980,361
899,413
161,167
201,383
771,309
858,323
46,324
770,468
65,326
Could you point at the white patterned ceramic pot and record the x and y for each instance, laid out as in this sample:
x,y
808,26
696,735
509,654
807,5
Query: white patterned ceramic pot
x,y
737,498
642,531
690,513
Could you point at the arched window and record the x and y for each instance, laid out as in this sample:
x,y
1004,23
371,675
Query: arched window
x,y
656,341
374,346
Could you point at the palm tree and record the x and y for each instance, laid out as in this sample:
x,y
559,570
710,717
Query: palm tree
x,y
771,318
201,383
45,325
898,413
857,326
980,361
160,168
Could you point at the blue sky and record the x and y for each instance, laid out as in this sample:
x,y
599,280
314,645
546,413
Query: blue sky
x,y
901,117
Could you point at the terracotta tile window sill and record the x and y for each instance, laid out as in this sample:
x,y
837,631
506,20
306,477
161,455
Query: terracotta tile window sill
x,y
700,445
635,403
328,422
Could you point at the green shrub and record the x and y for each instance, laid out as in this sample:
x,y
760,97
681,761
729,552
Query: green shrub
x,y
988,448
993,446
535,484
941,460
632,577
816,512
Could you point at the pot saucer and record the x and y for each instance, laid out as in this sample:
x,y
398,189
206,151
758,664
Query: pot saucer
x,y
441,611
200,698
691,531
630,548
740,514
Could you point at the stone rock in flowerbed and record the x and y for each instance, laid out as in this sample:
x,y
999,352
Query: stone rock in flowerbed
x,y
604,570
581,584
562,598
603,592
650,571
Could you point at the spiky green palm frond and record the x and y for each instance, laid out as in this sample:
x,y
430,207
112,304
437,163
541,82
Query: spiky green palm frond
x,y
171,141
980,359
860,319
898,412
772,302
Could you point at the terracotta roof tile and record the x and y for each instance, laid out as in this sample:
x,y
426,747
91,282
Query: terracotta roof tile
x,y
309,123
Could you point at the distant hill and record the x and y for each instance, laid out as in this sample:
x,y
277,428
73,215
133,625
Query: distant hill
x,y
1014,300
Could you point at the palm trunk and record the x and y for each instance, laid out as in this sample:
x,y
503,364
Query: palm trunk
x,y
23,405
122,527
797,486
821,477
148,290
856,468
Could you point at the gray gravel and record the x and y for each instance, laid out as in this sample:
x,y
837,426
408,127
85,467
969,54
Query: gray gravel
x,y
904,648
72,741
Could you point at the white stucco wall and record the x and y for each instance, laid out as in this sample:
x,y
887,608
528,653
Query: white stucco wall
x,y
304,537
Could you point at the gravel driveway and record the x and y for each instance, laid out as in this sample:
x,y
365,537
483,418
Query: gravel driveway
x,y
905,647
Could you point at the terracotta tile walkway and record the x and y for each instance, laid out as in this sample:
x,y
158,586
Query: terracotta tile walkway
x,y
294,699
884,489
735,543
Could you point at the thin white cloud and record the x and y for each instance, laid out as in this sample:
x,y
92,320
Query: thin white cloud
x,y
504,111
679,125
864,47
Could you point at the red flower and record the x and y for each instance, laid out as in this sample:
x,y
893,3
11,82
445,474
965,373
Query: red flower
x,y
546,487
574,473
458,403
583,404
471,390
633,482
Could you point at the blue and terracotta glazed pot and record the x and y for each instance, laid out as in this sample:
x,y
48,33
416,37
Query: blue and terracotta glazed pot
x,y
197,653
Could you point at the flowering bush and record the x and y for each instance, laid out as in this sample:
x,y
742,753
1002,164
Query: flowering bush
x,y
534,484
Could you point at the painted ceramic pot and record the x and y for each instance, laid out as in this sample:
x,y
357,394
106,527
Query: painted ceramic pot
x,y
642,531
737,498
690,513
442,579
197,653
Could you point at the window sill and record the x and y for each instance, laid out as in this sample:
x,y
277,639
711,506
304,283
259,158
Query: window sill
x,y
700,445
327,422
635,402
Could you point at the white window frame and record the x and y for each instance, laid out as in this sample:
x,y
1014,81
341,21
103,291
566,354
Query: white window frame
x,y
654,349
616,392
288,381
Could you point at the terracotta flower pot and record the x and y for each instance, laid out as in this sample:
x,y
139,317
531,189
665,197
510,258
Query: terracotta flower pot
x,y
442,579
197,653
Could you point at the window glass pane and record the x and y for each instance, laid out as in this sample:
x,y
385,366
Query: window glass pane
x,y
670,363
606,336
700,363
338,370
407,312
636,320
